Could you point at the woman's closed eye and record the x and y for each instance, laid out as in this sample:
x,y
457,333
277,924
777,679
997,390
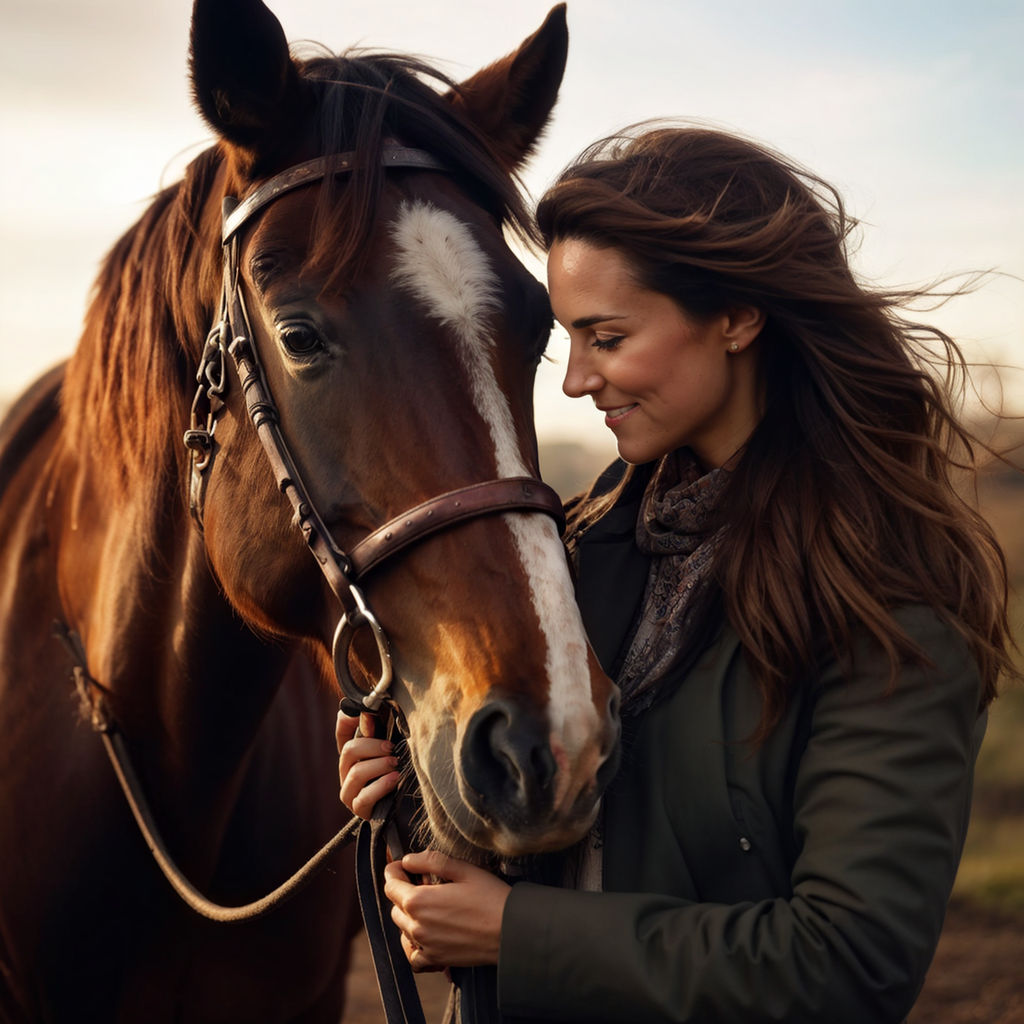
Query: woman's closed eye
x,y
607,342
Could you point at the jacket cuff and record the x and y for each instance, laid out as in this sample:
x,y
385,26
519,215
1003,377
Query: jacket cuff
x,y
541,928
523,960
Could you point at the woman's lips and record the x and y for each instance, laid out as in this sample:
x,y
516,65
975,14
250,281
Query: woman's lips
x,y
618,414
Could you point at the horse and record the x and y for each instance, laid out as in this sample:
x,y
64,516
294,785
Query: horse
x,y
333,273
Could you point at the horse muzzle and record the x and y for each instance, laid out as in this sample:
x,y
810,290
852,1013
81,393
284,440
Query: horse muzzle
x,y
521,788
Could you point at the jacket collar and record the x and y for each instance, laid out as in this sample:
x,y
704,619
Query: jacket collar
x,y
611,572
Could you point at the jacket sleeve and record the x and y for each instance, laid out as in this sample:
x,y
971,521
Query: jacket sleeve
x,y
881,804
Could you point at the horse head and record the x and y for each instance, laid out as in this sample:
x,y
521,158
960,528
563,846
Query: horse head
x,y
391,339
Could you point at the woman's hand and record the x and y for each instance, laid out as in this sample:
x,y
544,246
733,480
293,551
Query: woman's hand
x,y
366,767
456,923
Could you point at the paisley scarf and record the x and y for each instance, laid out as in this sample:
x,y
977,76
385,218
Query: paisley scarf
x,y
676,526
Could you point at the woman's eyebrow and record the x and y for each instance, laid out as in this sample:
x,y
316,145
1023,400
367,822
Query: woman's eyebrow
x,y
589,321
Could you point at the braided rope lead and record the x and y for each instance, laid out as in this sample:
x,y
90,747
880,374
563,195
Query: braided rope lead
x,y
199,903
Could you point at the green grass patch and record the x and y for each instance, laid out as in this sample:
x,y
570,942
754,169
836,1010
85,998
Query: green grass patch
x,y
1001,761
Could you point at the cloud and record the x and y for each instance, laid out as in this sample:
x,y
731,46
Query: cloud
x,y
913,110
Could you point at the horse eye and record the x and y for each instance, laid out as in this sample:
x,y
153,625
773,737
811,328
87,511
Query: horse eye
x,y
299,339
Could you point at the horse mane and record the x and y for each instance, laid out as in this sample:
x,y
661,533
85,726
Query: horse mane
x,y
26,420
131,379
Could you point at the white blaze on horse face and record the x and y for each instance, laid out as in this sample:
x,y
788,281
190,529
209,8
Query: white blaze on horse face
x,y
440,263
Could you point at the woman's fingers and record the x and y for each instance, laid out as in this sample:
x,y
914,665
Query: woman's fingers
x,y
345,729
397,886
418,958
346,726
362,801
455,924
362,749
440,865
366,765
364,781
402,894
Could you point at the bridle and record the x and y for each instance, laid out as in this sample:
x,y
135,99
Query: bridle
x,y
232,335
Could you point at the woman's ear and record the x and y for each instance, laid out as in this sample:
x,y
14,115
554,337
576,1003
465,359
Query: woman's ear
x,y
741,326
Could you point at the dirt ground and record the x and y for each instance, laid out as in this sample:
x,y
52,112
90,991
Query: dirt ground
x,y
977,976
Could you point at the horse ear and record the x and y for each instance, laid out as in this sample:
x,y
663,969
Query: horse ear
x,y
511,100
244,81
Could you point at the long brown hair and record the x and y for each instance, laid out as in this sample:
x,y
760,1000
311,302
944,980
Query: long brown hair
x,y
842,506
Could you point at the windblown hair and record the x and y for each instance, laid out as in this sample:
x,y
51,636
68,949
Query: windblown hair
x,y
843,504
133,375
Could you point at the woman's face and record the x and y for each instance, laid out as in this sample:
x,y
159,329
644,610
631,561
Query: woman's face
x,y
662,378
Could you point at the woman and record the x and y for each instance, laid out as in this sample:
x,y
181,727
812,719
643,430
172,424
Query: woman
x,y
805,619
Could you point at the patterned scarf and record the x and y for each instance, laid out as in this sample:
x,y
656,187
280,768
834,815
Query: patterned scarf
x,y
676,520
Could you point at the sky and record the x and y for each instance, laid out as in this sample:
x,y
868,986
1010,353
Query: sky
x,y
914,110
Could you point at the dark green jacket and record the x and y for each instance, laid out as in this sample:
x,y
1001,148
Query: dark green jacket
x,y
805,880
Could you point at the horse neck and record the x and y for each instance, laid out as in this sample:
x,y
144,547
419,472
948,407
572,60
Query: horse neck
x,y
182,668
189,684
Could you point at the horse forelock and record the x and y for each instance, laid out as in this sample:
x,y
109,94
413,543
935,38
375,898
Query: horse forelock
x,y
364,99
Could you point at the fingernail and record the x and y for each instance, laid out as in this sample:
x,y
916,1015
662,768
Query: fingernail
x,y
393,761
387,746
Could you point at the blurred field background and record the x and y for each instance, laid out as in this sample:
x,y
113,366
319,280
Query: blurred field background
x,y
992,872
978,973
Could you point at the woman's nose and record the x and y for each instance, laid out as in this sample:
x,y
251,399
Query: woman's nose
x,y
580,377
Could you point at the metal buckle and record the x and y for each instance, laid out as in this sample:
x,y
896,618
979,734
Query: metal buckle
x,y
211,380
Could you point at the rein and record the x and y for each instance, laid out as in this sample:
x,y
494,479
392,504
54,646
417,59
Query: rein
x,y
232,335
93,701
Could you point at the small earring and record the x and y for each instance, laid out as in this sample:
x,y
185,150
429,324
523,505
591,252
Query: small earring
x,y
734,346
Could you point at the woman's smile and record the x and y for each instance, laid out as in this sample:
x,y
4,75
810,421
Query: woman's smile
x,y
613,417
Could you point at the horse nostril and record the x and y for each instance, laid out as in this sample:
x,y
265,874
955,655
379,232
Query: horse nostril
x,y
614,702
507,760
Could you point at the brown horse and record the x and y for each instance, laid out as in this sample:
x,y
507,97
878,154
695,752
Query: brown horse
x,y
398,338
